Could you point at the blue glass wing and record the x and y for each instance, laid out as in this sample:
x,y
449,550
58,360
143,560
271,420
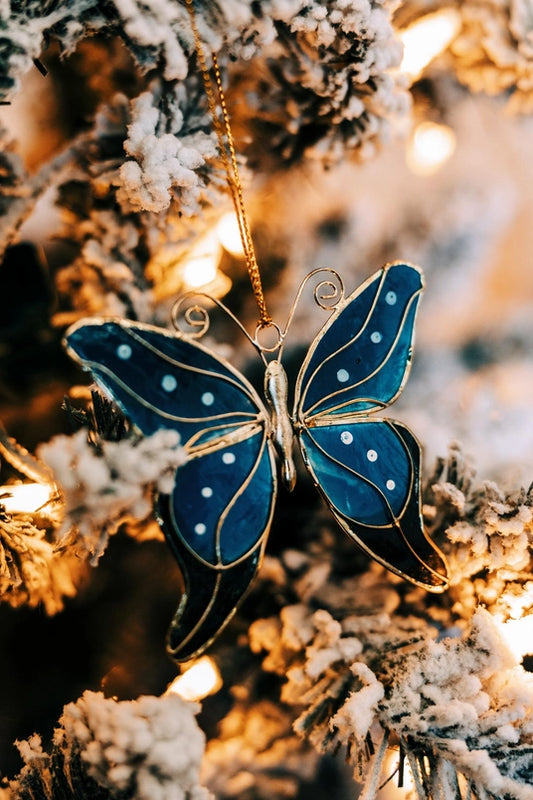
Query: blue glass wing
x,y
216,523
219,514
161,380
368,473
360,359
223,500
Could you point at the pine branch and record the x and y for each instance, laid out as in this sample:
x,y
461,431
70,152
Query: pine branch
x,y
27,190
354,660
149,748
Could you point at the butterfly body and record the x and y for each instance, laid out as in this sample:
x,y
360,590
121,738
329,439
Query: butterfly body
x,y
281,425
218,516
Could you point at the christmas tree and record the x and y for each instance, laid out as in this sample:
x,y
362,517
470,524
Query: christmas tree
x,y
156,149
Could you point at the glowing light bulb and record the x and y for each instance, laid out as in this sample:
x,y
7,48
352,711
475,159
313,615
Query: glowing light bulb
x,y
200,680
426,38
516,627
229,234
25,497
391,767
429,147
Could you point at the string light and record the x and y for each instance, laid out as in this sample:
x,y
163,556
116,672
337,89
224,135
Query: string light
x,y
429,147
427,38
25,498
391,767
198,681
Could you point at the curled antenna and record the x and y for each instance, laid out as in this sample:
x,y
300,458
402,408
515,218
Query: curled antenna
x,y
196,317
328,294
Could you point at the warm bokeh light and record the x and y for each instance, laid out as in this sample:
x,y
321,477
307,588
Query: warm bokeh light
x,y
199,680
175,270
199,271
517,627
229,234
518,635
426,38
199,267
25,497
391,767
429,147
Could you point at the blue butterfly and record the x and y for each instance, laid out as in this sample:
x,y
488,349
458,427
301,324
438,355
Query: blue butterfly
x,y
219,514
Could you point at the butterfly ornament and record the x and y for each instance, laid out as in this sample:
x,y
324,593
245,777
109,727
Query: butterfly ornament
x,y
366,467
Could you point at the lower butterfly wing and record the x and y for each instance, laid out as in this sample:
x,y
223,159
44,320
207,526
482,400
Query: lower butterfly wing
x,y
218,516
216,522
368,472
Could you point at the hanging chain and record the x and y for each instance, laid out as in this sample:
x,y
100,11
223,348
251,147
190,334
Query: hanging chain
x,y
225,141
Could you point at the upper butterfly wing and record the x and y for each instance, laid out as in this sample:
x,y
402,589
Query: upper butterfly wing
x,y
369,469
218,516
360,359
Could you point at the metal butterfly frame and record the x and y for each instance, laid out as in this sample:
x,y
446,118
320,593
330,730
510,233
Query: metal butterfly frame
x,y
218,516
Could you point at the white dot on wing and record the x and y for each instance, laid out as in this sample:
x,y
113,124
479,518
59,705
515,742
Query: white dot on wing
x,y
124,351
169,383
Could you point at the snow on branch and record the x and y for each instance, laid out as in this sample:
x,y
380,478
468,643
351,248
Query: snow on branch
x,y
33,569
105,477
365,657
163,165
325,86
150,748
494,52
105,484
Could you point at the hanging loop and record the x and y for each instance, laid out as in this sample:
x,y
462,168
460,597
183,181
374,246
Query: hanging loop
x,y
229,158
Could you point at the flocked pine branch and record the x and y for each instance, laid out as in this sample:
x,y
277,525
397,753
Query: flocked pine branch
x,y
494,53
105,476
120,212
106,483
34,570
149,749
364,657
326,64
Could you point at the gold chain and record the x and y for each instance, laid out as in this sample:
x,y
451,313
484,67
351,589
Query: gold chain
x,y
230,165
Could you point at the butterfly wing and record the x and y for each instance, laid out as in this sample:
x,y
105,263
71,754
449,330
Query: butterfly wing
x,y
368,470
218,516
